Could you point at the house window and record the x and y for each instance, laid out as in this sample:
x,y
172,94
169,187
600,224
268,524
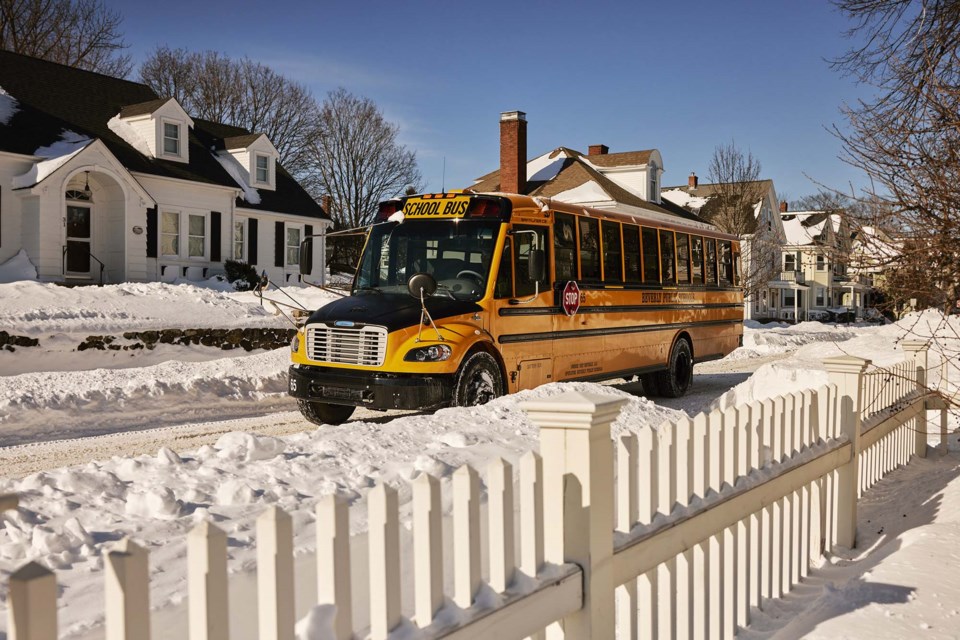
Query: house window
x,y
196,236
293,246
654,191
788,297
821,263
789,262
819,297
170,234
171,138
262,169
239,232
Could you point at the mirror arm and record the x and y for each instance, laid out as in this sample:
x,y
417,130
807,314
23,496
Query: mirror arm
x,y
536,292
425,313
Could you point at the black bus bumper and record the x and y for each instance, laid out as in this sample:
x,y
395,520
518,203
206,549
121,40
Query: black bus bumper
x,y
374,390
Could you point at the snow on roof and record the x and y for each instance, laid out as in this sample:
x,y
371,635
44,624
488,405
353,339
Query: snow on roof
x,y
584,193
129,135
232,167
57,154
798,233
546,167
683,199
8,106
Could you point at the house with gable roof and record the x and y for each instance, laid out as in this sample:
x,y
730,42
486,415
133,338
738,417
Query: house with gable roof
x,y
102,180
628,181
761,240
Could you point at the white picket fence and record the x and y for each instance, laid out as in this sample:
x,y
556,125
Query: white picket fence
x,y
678,535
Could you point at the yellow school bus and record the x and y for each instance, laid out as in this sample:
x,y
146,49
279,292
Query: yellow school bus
x,y
460,297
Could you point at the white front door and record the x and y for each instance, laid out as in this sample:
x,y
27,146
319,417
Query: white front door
x,y
79,236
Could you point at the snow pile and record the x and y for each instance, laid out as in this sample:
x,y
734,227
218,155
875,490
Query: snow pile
x,y
17,268
587,192
57,155
8,107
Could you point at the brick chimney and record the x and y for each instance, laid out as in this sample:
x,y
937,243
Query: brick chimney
x,y
598,150
326,202
513,151
783,206
693,180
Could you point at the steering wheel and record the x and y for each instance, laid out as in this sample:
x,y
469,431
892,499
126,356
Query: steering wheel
x,y
474,274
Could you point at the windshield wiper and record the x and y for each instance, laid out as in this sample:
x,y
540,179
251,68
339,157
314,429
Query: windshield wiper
x,y
372,289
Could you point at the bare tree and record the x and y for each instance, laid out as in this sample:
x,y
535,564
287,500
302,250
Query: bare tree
x,y
736,195
907,139
78,33
242,93
356,159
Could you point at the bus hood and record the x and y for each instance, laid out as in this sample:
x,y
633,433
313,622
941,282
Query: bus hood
x,y
393,311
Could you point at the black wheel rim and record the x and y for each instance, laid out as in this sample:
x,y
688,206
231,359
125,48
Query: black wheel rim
x,y
480,387
684,370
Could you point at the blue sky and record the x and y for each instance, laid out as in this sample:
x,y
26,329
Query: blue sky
x,y
679,77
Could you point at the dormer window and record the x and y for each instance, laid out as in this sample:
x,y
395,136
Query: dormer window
x,y
262,169
171,139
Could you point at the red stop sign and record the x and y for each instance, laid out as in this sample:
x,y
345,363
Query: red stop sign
x,y
570,298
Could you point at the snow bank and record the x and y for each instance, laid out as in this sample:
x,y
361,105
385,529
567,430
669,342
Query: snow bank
x,y
17,268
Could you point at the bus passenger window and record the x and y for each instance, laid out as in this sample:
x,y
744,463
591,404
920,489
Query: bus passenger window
x,y
667,257
565,243
736,269
631,252
710,265
612,254
589,250
651,256
696,259
726,263
504,285
683,258
523,243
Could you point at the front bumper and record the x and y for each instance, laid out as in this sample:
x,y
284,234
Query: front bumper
x,y
371,389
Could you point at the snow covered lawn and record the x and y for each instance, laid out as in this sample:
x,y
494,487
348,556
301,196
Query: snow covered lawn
x,y
69,515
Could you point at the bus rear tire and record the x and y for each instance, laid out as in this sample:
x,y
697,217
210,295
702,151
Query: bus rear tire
x,y
651,387
478,381
675,381
322,413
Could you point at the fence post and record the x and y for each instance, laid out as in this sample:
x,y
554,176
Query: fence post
x,y
918,349
846,372
275,574
207,582
578,457
32,604
127,586
333,562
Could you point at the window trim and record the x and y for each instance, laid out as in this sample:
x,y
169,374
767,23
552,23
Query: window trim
x,y
254,157
163,138
287,226
161,234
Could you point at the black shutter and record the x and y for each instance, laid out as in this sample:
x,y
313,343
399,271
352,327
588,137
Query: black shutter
x,y
278,244
215,234
252,231
152,232
1,216
307,232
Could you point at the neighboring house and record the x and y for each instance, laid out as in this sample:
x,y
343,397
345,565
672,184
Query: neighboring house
x,y
628,181
816,256
101,177
760,240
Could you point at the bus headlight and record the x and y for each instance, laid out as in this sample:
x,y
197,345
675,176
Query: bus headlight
x,y
295,343
433,353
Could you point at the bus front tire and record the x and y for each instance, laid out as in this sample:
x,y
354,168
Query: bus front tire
x,y
675,381
478,382
321,413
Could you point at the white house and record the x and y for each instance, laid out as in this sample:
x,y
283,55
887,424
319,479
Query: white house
x,y
100,178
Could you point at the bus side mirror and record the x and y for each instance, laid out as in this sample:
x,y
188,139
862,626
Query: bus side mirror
x,y
536,266
306,257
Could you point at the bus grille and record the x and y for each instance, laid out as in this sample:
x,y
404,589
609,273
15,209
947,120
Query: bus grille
x,y
361,346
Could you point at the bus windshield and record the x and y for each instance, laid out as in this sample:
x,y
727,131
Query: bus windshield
x,y
456,253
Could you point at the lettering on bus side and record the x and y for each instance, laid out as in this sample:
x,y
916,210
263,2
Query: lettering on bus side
x,y
449,208
666,297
